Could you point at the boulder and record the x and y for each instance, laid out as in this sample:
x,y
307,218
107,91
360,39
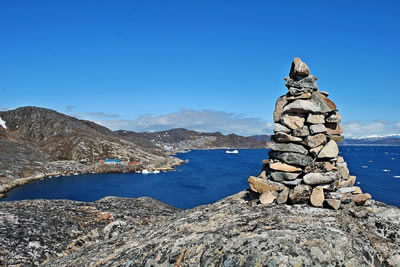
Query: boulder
x,y
268,197
333,128
293,121
259,185
301,106
317,128
281,128
324,104
280,103
291,158
283,196
284,176
315,140
360,199
315,178
288,147
333,203
282,137
334,117
315,118
304,131
317,197
279,166
330,150
300,194
298,69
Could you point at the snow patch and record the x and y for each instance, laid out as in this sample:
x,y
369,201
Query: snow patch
x,y
3,123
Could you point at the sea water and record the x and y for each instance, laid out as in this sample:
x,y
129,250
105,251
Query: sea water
x,y
211,175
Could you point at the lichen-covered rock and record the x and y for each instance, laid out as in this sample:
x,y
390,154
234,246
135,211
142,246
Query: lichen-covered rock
x,y
232,232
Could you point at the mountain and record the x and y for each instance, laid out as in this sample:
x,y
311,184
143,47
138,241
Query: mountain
x,y
182,139
31,137
390,140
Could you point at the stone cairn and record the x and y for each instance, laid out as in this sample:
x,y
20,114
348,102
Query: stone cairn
x,y
304,165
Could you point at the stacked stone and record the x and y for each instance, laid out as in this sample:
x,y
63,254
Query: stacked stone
x,y
304,165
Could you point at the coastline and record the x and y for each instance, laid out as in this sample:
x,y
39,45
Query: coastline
x,y
70,167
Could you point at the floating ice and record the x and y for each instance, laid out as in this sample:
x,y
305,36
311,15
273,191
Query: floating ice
x,y
3,123
386,170
370,161
364,167
396,176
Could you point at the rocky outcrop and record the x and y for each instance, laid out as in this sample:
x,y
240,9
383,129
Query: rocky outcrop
x,y
37,143
236,231
304,153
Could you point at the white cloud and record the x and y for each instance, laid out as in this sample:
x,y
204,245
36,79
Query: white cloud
x,y
201,120
370,128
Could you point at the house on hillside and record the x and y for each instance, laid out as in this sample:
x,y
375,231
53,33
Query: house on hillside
x,y
112,161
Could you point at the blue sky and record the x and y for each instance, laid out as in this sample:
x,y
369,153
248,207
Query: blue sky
x,y
205,65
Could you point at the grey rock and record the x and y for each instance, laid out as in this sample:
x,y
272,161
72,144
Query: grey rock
x,y
282,137
284,176
349,189
300,194
292,158
324,104
332,186
343,170
305,84
288,147
316,178
305,95
334,117
316,118
301,132
281,128
283,197
280,103
330,150
298,69
315,140
292,183
317,128
334,128
301,106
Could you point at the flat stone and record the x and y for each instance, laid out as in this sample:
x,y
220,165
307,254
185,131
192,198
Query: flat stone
x,y
288,147
334,117
349,182
279,166
325,104
340,159
268,197
357,190
336,138
284,176
305,84
301,132
316,178
315,118
292,183
281,128
301,106
293,120
317,197
360,199
317,128
305,95
291,158
334,128
282,137
280,103
263,175
315,140
351,189
335,195
333,203
343,170
300,194
324,93
283,196
259,185
330,150
298,69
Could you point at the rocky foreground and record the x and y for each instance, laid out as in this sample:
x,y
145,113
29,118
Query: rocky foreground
x,y
236,231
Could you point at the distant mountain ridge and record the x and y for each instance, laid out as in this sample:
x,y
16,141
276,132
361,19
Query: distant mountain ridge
x,y
182,139
390,140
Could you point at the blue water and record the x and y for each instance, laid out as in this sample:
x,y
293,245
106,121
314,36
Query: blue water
x,y
212,175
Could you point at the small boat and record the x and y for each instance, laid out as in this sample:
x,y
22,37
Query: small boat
x,y
232,151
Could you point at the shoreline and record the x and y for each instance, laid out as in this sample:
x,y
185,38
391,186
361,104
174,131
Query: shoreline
x,y
79,169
